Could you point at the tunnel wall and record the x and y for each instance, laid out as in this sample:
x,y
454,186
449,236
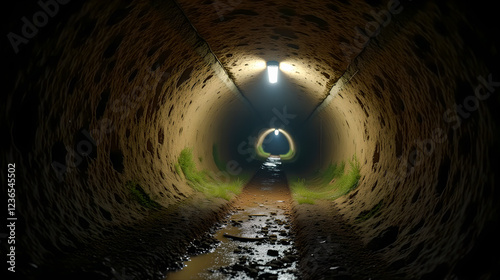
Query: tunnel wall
x,y
427,166
122,112
114,94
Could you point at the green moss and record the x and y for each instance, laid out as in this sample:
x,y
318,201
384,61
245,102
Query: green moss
x,y
333,171
348,181
331,183
224,190
138,194
203,181
243,177
261,152
305,200
303,192
188,167
288,155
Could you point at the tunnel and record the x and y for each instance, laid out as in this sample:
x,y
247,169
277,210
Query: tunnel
x,y
105,99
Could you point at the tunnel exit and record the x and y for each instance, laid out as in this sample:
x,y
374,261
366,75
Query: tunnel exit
x,y
276,144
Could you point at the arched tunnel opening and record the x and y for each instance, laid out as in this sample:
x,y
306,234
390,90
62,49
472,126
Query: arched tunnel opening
x,y
131,133
276,144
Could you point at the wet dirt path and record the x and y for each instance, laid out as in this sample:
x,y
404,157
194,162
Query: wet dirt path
x,y
255,240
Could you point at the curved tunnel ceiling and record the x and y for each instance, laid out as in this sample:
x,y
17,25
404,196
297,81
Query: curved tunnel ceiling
x,y
249,33
111,92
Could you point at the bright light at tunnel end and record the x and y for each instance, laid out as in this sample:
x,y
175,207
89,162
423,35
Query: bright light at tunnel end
x,y
272,71
260,139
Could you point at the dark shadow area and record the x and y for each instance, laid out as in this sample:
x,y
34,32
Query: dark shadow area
x,y
275,144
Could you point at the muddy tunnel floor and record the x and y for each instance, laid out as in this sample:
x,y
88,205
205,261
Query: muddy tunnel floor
x,y
260,234
330,248
269,236
255,240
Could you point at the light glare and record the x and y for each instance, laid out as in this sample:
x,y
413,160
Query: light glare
x,y
272,70
259,64
276,132
286,67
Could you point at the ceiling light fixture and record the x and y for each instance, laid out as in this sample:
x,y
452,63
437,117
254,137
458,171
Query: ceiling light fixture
x,y
276,132
272,71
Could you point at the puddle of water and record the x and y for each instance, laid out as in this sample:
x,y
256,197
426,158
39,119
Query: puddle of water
x,y
250,254
261,213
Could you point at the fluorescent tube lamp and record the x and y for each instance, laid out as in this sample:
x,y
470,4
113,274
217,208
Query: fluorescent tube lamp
x,y
272,71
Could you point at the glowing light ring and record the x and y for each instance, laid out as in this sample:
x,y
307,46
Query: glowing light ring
x,y
260,139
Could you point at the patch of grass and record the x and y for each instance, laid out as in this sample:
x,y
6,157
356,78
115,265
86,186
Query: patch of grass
x,y
305,193
331,183
333,171
188,167
225,190
367,214
243,177
348,181
203,181
139,195
305,200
